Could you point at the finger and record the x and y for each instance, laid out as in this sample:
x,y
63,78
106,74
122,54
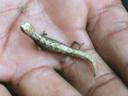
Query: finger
x,y
44,82
4,91
108,30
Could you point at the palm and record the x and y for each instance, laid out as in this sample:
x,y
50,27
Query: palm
x,y
19,54
60,20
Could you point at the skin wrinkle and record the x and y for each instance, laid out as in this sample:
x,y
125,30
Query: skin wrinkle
x,y
24,7
122,28
98,15
8,34
4,36
115,32
9,31
100,10
17,82
21,10
7,37
91,28
105,79
8,10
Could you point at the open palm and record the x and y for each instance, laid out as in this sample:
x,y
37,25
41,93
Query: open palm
x,y
31,71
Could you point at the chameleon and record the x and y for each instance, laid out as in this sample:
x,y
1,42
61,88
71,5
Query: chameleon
x,y
53,45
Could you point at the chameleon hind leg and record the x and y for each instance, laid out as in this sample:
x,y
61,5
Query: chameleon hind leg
x,y
75,45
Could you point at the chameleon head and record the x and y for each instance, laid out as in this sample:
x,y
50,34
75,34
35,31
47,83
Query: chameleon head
x,y
27,28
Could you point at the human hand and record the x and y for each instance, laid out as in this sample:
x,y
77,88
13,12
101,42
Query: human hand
x,y
31,71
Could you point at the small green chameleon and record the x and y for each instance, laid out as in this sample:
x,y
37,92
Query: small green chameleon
x,y
50,44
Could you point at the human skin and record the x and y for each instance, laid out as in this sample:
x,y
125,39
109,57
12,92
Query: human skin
x,y
31,71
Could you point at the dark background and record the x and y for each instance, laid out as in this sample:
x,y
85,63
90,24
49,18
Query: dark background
x,y
125,3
